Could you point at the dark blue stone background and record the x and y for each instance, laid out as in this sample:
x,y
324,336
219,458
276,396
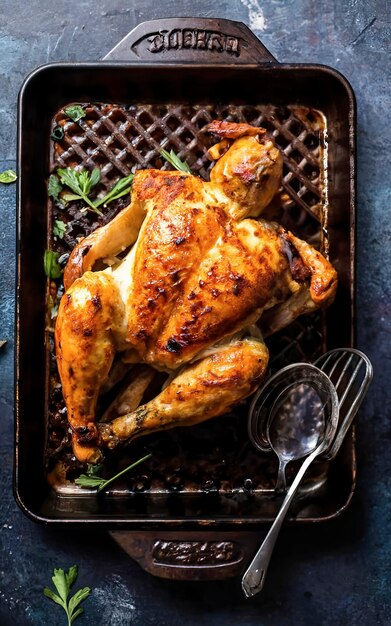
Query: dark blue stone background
x,y
332,574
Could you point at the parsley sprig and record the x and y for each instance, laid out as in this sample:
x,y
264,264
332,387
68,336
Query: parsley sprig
x,y
81,183
63,581
54,187
92,481
175,161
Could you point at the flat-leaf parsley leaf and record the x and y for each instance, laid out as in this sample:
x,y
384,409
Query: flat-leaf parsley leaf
x,y
81,183
54,187
59,228
75,112
9,176
63,582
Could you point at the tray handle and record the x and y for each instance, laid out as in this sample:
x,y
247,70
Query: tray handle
x,y
191,40
189,555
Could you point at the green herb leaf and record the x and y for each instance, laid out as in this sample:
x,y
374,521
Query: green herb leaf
x,y
90,482
94,470
60,583
87,181
175,161
69,197
79,596
53,596
71,575
121,188
57,134
50,264
83,178
95,177
8,176
80,183
70,178
54,187
75,112
59,228
76,614
98,483
63,582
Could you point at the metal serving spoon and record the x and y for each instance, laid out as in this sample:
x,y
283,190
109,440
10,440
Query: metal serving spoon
x,y
286,414
351,373
303,420
297,418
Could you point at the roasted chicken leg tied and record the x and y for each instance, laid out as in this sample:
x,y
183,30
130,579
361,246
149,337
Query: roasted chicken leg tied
x,y
204,389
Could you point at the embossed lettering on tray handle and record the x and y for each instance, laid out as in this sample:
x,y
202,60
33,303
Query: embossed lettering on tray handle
x,y
191,40
189,555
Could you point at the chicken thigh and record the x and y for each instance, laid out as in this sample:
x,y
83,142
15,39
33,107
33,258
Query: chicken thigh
x,y
200,267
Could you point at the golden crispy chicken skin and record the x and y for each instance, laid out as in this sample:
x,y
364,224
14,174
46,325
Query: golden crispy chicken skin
x,y
200,270
205,389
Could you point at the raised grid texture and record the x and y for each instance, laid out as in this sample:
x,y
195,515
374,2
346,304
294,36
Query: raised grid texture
x,y
119,139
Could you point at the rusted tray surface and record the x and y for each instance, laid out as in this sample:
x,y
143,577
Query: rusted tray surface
x,y
208,473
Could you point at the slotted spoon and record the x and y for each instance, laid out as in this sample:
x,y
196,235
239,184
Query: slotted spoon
x,y
350,372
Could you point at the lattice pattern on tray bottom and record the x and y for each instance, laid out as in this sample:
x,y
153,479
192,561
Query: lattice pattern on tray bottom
x,y
117,139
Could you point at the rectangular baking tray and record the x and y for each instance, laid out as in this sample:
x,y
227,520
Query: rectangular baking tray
x,y
173,77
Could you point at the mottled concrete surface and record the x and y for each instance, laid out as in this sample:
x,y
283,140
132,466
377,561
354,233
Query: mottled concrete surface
x,y
334,574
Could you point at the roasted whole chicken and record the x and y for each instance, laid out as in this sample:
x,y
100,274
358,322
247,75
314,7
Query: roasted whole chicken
x,y
199,269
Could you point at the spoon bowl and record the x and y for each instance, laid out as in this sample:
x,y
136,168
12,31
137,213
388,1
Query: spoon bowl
x,y
292,413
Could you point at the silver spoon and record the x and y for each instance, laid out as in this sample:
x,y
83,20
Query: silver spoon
x,y
351,373
295,424
303,420
286,414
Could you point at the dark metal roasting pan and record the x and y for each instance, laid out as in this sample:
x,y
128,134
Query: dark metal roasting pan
x,y
195,508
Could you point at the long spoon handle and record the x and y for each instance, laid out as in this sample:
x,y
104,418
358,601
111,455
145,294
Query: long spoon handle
x,y
254,577
281,477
